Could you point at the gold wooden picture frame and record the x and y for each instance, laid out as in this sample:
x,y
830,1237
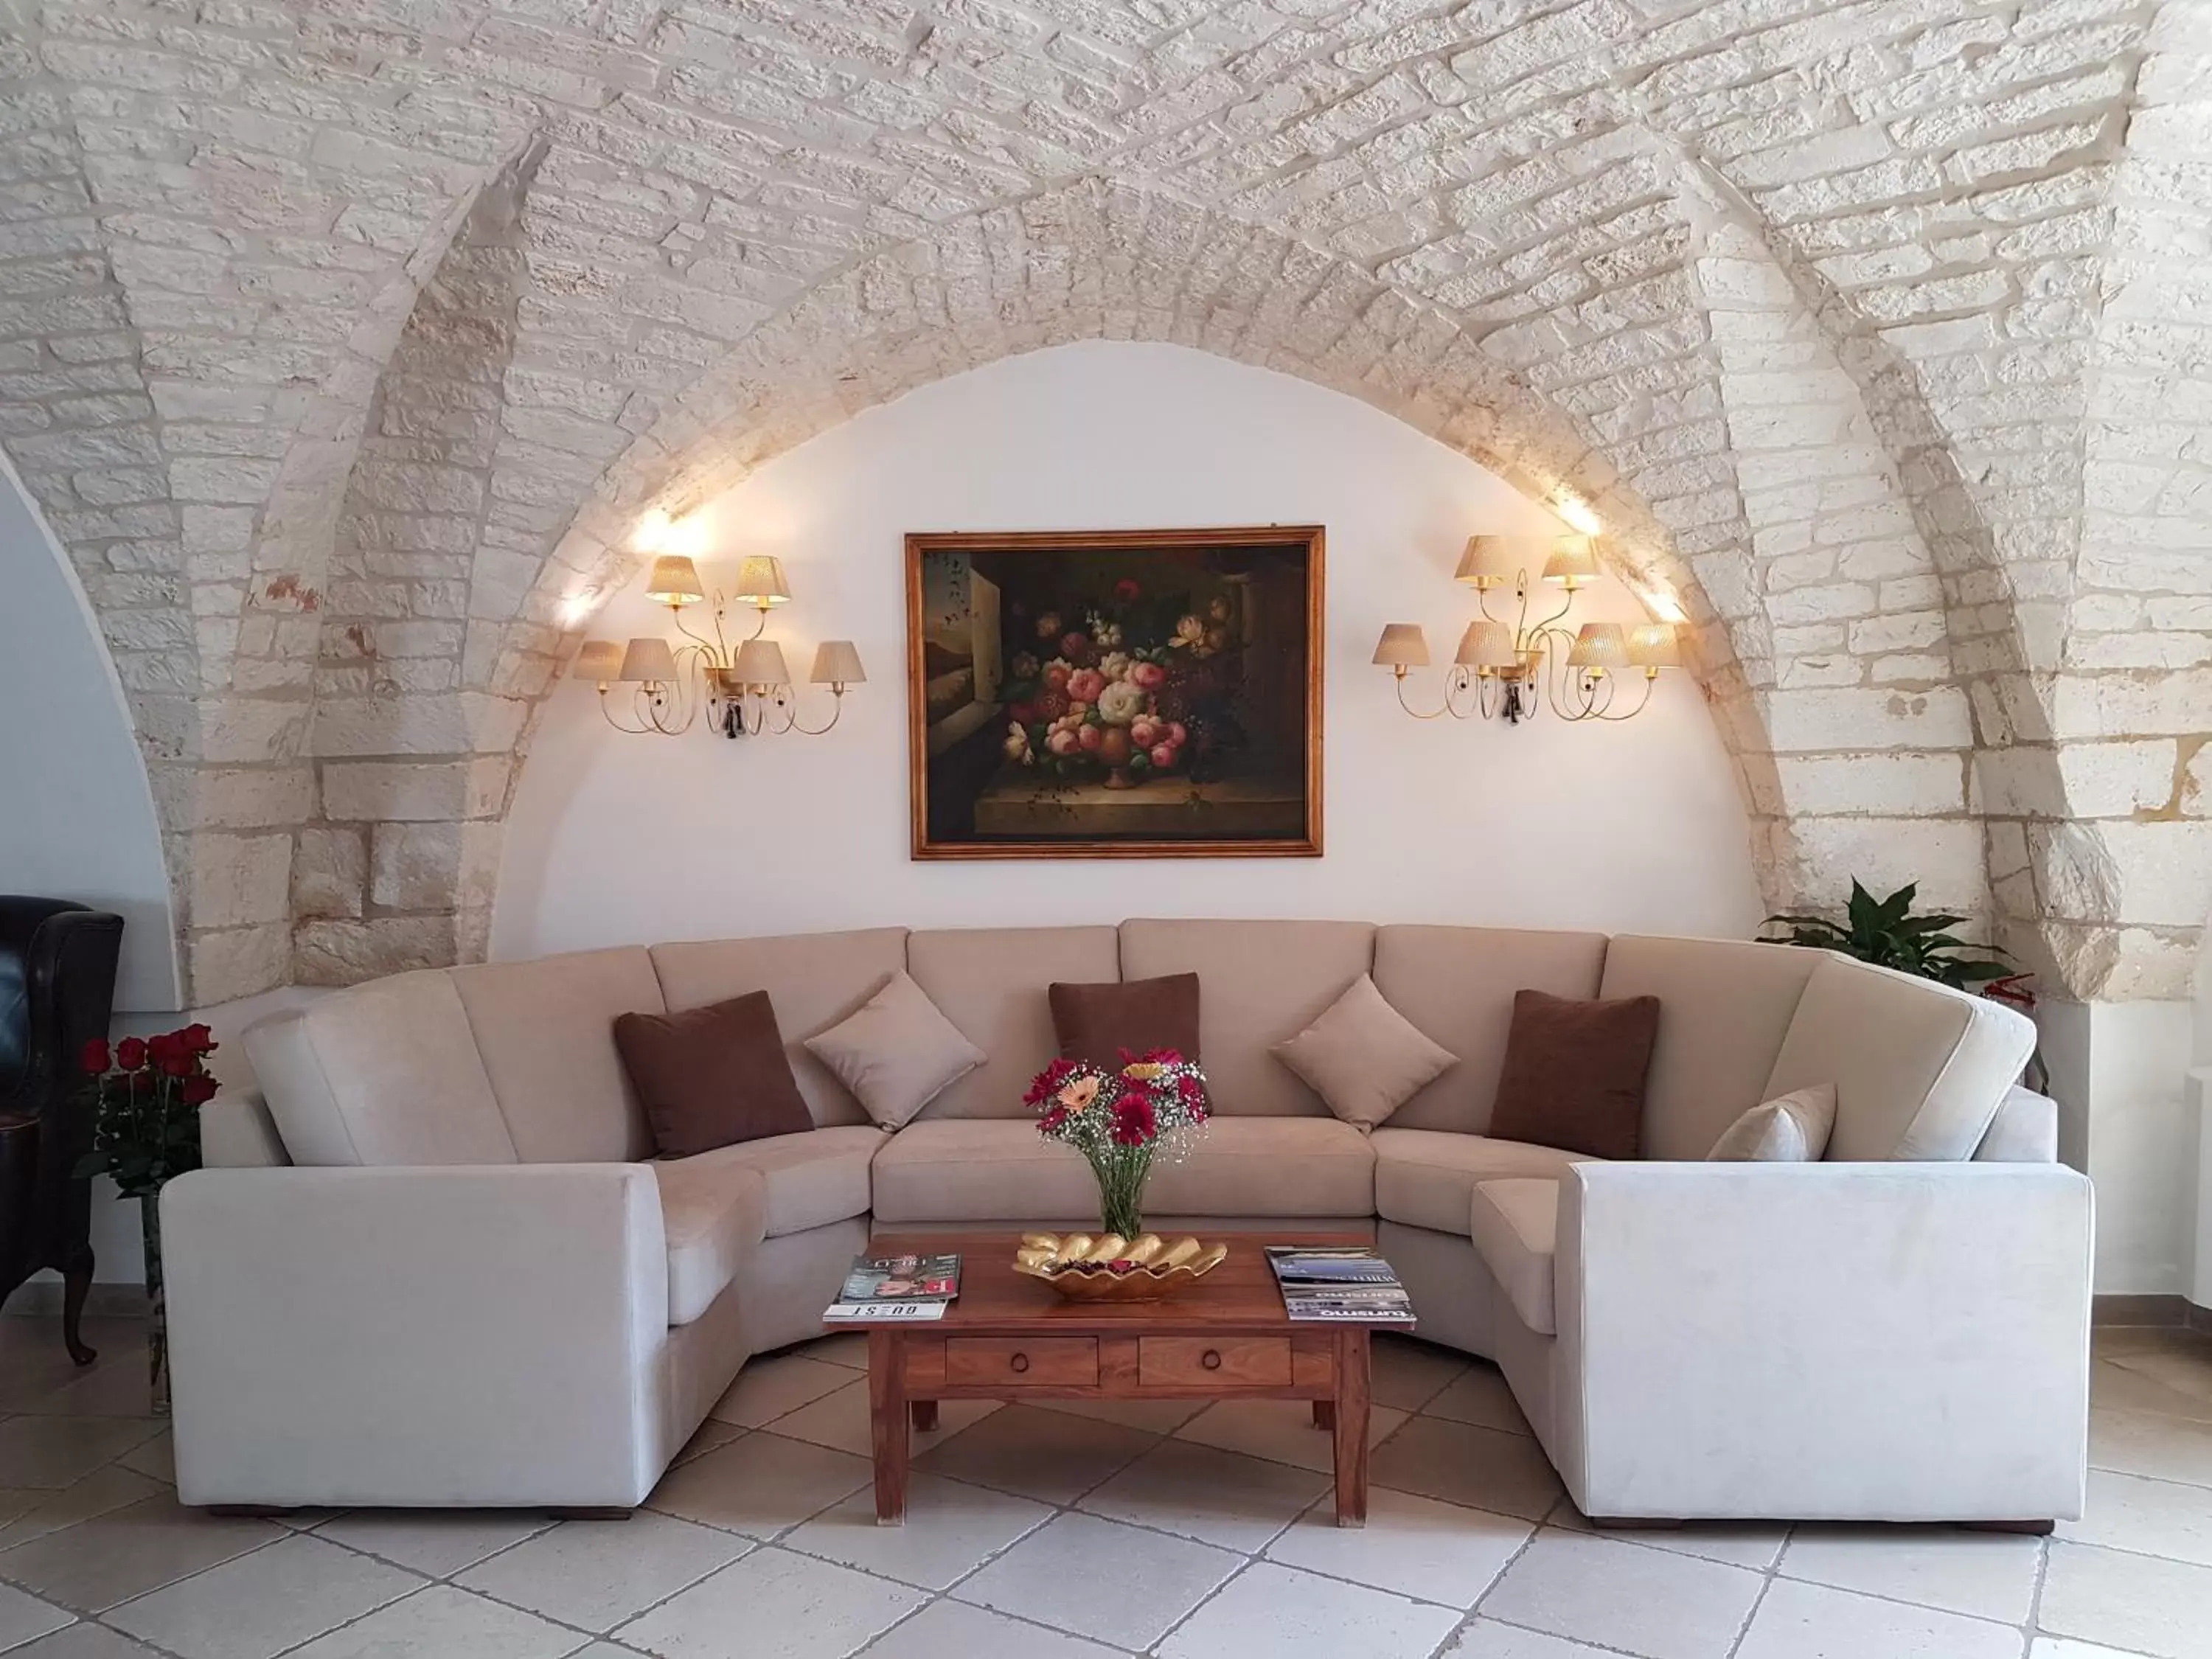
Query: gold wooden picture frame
x,y
1115,692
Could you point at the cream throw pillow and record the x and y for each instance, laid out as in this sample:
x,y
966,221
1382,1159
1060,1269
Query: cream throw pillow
x,y
1363,1056
1791,1128
895,1052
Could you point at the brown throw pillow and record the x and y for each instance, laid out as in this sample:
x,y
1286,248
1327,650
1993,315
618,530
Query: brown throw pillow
x,y
1097,1022
711,1076
1574,1073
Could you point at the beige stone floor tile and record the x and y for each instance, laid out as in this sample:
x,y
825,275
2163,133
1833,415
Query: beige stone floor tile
x,y
1408,1373
102,1492
1051,1456
2159,1448
1272,1612
2056,1647
1485,1638
1650,1602
1476,1468
436,1543
131,1551
1146,1416
1124,1586
1416,1547
83,1641
53,1452
112,1387
261,1604
760,1486
441,1622
840,1421
2137,1602
33,1363
25,1617
766,1388
773,1604
1813,1621
952,1528
1983,1575
707,1436
1754,1544
1280,1430
2121,1385
2150,1518
155,1459
1479,1396
595,1574
953,1630
1201,1491
846,1348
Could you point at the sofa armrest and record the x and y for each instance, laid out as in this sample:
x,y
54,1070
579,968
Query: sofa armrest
x,y
487,1335
1872,1341
237,1132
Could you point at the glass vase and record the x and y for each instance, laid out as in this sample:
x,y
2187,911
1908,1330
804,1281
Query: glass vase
x,y
1121,1173
157,1316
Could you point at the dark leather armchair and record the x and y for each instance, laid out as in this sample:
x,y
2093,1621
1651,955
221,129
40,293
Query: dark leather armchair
x,y
56,993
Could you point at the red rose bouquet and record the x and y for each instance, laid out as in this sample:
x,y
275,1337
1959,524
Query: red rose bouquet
x,y
1122,1122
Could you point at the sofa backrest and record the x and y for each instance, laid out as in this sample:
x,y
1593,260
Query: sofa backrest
x,y
812,981
991,982
1457,984
1724,1008
1260,983
1920,1070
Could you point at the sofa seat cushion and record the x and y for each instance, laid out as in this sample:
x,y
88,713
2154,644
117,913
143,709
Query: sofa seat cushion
x,y
713,1219
1515,1224
813,1178
1001,1169
1427,1178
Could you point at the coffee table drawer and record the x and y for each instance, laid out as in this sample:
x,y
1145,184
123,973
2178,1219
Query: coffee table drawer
x,y
1252,1362
1015,1361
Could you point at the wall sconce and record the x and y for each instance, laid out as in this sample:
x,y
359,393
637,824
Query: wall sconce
x,y
1514,669
747,688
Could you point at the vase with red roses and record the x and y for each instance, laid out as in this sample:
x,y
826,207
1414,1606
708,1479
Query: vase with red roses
x,y
144,1095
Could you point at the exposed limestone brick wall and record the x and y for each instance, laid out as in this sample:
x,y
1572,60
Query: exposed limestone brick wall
x,y
344,344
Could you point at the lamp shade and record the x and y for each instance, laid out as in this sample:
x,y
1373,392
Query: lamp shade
x,y
1573,561
1600,645
760,662
1490,561
1486,644
674,581
1403,646
1654,645
760,581
647,659
599,659
836,663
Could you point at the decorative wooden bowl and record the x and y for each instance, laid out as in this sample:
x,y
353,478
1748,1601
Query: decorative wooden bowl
x,y
1106,1268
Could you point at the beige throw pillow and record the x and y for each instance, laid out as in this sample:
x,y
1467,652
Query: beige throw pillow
x,y
1363,1056
1791,1128
895,1052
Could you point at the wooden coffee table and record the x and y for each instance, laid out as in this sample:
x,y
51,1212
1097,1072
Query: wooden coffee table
x,y
1013,1338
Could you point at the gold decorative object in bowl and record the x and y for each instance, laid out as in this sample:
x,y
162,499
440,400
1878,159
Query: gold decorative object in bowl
x,y
1106,1268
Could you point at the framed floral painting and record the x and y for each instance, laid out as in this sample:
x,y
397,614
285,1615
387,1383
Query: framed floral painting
x,y
1115,694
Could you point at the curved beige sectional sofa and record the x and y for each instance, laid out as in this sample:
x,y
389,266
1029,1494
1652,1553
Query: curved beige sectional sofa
x,y
436,1270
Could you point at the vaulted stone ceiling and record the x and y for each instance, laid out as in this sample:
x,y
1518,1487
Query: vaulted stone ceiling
x,y
343,343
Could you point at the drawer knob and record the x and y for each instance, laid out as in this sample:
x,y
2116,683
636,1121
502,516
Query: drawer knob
x,y
1211,1360
1020,1362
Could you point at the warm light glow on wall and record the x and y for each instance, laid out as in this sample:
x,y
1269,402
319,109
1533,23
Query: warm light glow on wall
x,y
651,531
576,608
1577,512
1663,606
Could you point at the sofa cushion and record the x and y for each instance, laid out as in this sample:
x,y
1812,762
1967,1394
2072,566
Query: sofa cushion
x,y
1000,1169
713,1219
1103,1021
1260,983
383,1073
1724,1005
895,1051
990,982
713,1076
1514,1224
546,1029
1456,986
1919,1069
1427,1178
811,1179
1574,1073
1792,1128
1363,1057
815,980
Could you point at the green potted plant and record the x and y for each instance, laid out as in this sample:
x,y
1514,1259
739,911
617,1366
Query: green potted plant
x,y
144,1098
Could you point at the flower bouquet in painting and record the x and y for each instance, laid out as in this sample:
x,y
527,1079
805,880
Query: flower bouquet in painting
x,y
144,1096
1122,1122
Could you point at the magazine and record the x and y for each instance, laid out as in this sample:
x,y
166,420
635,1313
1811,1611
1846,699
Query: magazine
x,y
905,1288
1346,1283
